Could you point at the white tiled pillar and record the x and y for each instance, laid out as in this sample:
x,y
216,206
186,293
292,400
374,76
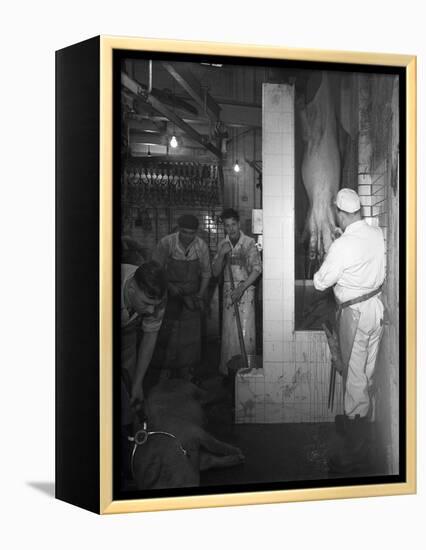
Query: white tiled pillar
x,y
259,395
278,213
293,384
278,256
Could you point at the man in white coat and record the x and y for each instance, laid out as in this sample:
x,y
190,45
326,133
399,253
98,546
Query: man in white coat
x,y
355,267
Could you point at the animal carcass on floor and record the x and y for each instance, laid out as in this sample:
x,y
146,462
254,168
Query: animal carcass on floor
x,y
177,446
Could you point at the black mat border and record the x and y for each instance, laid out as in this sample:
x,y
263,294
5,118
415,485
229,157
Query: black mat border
x,y
118,56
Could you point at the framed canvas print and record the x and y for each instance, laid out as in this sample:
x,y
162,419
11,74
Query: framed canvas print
x,y
235,274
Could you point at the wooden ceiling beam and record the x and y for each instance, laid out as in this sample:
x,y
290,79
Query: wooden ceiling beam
x,y
142,92
146,125
192,87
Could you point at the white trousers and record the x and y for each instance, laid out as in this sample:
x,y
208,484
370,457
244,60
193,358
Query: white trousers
x,y
363,357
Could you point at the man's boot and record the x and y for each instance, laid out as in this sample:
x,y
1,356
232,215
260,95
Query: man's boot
x,y
341,422
361,443
353,453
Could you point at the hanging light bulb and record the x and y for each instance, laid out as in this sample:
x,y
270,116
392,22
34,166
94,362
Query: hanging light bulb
x,y
173,142
236,166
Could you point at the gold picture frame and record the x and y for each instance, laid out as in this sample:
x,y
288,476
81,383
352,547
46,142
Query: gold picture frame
x,y
107,46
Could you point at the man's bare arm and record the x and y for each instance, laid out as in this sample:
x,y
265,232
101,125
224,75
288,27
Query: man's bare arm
x,y
146,349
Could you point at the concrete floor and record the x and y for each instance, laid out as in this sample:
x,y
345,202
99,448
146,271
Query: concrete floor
x,y
282,452
275,452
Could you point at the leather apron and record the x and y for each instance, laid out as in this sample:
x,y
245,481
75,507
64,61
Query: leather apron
x,y
182,325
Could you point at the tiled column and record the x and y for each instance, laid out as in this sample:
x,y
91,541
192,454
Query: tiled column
x,y
293,384
259,395
278,258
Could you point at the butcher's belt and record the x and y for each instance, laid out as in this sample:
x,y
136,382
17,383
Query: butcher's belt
x,y
347,320
358,300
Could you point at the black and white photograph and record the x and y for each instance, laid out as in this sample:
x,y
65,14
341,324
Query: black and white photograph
x,y
213,282
259,303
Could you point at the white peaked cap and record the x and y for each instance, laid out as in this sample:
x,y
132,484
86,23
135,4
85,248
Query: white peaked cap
x,y
348,200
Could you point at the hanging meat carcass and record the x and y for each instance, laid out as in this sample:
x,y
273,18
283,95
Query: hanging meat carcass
x,y
320,166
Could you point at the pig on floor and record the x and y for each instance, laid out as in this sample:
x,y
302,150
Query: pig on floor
x,y
179,446
320,165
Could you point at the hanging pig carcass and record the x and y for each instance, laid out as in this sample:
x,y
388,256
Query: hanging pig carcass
x,y
320,165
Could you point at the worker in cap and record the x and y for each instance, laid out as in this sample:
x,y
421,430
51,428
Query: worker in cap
x,y
347,200
186,259
188,221
355,267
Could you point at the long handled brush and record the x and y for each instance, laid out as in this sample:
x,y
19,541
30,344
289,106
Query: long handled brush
x,y
244,359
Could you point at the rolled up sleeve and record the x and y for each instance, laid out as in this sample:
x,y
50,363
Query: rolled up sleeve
x,y
331,269
152,323
254,262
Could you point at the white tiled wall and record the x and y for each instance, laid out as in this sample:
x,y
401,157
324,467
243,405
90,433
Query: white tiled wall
x,y
293,384
372,193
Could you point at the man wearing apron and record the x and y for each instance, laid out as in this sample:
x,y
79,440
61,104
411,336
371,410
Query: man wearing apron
x,y
186,259
355,266
237,252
